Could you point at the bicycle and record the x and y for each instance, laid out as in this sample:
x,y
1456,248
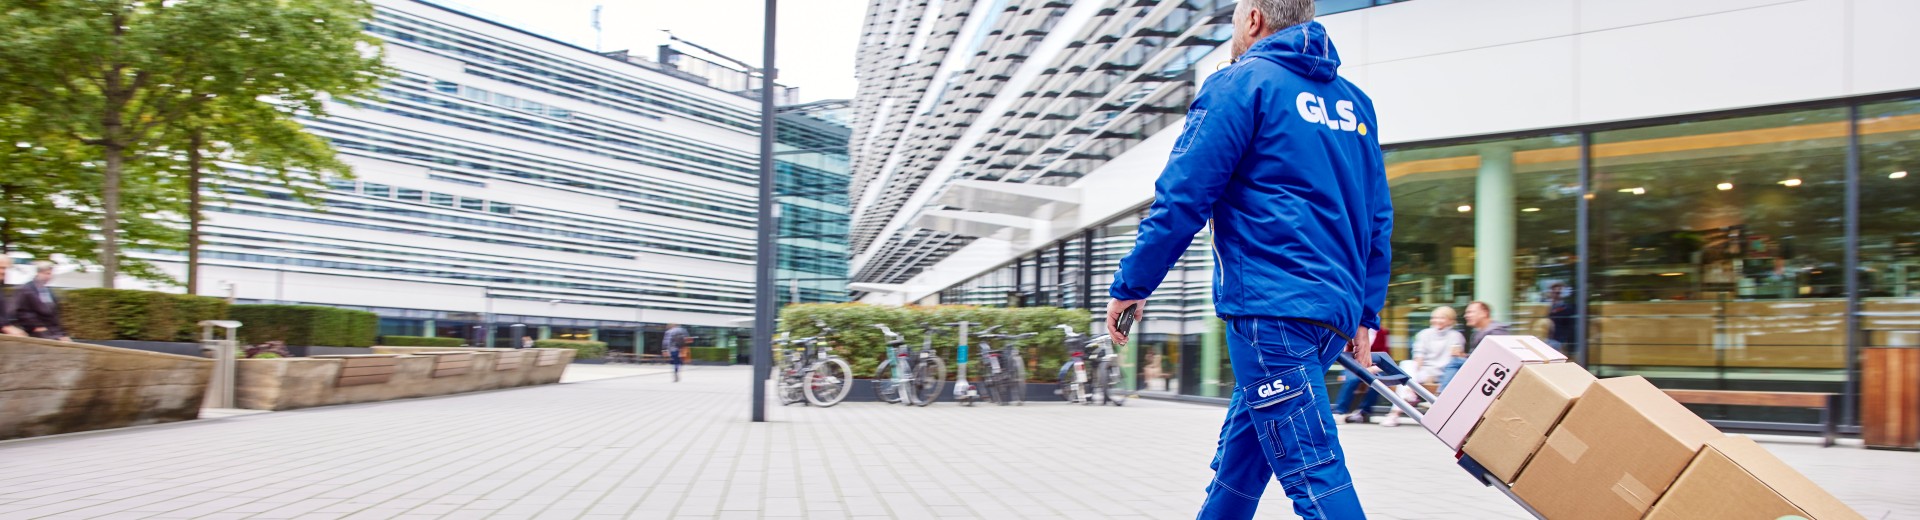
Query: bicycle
x,y
822,382
964,391
1076,386
911,376
1006,377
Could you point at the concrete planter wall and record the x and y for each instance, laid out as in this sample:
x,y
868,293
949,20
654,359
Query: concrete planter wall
x,y
286,384
50,387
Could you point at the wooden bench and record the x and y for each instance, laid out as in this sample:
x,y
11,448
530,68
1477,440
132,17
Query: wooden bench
x,y
509,360
450,363
1828,404
364,369
622,357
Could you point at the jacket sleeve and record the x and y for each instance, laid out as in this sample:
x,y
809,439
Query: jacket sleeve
x,y
1221,121
1379,268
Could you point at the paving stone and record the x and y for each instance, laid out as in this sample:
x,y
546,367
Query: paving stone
x,y
645,447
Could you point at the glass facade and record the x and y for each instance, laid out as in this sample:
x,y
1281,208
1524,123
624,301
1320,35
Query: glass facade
x,y
812,171
1706,252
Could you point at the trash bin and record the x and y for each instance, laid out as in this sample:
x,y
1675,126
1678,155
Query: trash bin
x,y
1890,398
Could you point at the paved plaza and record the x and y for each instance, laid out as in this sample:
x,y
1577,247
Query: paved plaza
x,y
627,442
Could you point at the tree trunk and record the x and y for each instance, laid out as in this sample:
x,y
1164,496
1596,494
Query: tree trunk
x,y
110,217
193,213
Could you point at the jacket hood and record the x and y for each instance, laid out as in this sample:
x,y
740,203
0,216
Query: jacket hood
x,y
1303,49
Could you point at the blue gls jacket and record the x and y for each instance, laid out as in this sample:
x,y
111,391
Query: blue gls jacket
x,y
1283,156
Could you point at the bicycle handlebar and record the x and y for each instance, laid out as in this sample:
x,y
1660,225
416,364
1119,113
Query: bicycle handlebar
x,y
887,331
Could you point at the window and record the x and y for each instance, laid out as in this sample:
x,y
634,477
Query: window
x,y
376,190
1717,252
409,194
499,207
470,203
441,199
1889,223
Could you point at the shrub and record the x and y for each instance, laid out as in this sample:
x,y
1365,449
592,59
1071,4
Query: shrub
x,y
581,349
307,325
863,346
720,354
417,341
109,314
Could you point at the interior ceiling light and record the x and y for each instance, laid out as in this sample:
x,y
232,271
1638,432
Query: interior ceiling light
x,y
1529,210
1673,274
1465,208
1897,175
1790,183
1724,186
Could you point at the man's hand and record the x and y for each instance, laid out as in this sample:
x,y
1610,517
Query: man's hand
x,y
1114,310
1361,347
13,331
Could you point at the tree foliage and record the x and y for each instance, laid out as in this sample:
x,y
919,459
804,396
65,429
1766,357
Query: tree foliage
x,y
137,82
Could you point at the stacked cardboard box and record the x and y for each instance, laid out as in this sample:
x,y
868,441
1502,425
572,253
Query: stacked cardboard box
x,y
1486,372
1517,424
1577,447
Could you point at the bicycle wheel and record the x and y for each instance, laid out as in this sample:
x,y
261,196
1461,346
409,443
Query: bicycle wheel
x,y
884,387
1068,390
1109,383
997,391
789,390
826,385
1019,385
928,376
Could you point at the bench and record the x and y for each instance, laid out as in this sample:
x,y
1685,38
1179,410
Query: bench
x,y
509,360
1828,404
622,357
364,369
450,363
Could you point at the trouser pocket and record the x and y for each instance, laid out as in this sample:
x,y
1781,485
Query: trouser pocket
x,y
1290,421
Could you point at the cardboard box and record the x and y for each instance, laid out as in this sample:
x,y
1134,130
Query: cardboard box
x,y
1736,478
1519,420
1485,374
1618,449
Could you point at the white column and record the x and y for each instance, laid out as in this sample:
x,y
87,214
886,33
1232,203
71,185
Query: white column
x,y
1493,231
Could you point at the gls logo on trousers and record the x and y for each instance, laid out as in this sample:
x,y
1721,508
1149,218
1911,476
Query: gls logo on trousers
x,y
1271,388
1314,109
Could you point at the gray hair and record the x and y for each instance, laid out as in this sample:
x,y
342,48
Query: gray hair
x,y
1282,14
43,266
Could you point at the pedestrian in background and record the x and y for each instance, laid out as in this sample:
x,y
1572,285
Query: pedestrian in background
x,y
1351,383
1480,318
671,344
6,300
35,308
1433,350
526,342
1282,156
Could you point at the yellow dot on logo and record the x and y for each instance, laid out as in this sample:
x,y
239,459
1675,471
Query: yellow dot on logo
x,y
1363,129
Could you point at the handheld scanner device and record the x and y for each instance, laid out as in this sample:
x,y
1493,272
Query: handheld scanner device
x,y
1125,323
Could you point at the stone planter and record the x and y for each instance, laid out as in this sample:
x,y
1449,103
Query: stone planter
x,y
49,387
291,383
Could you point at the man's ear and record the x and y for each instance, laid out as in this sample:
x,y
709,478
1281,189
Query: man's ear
x,y
1257,20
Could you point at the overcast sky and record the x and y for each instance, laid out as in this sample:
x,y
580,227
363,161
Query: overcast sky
x,y
816,37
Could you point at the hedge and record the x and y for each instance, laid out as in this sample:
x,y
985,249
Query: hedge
x,y
863,346
119,314
581,349
418,341
720,354
306,325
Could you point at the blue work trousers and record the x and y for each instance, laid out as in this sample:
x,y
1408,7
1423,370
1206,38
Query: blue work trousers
x,y
1278,424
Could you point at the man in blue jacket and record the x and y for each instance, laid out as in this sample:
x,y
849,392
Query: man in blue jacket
x,y
1283,157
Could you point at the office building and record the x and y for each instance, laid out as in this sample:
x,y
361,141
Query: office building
x,y
1673,190
505,178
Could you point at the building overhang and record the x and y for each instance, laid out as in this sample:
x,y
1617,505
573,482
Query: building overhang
x,y
972,223
1009,198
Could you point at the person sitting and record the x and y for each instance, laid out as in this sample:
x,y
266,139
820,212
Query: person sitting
x,y
1433,351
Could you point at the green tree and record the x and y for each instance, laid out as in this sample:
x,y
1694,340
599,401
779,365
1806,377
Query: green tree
x,y
49,198
131,78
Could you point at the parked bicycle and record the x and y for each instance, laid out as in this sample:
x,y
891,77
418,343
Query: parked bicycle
x,y
812,373
1077,385
912,376
1006,377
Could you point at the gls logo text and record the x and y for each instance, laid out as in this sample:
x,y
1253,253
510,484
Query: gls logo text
x,y
1271,388
1314,109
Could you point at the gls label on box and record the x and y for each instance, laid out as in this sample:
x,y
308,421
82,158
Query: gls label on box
x,y
1494,377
